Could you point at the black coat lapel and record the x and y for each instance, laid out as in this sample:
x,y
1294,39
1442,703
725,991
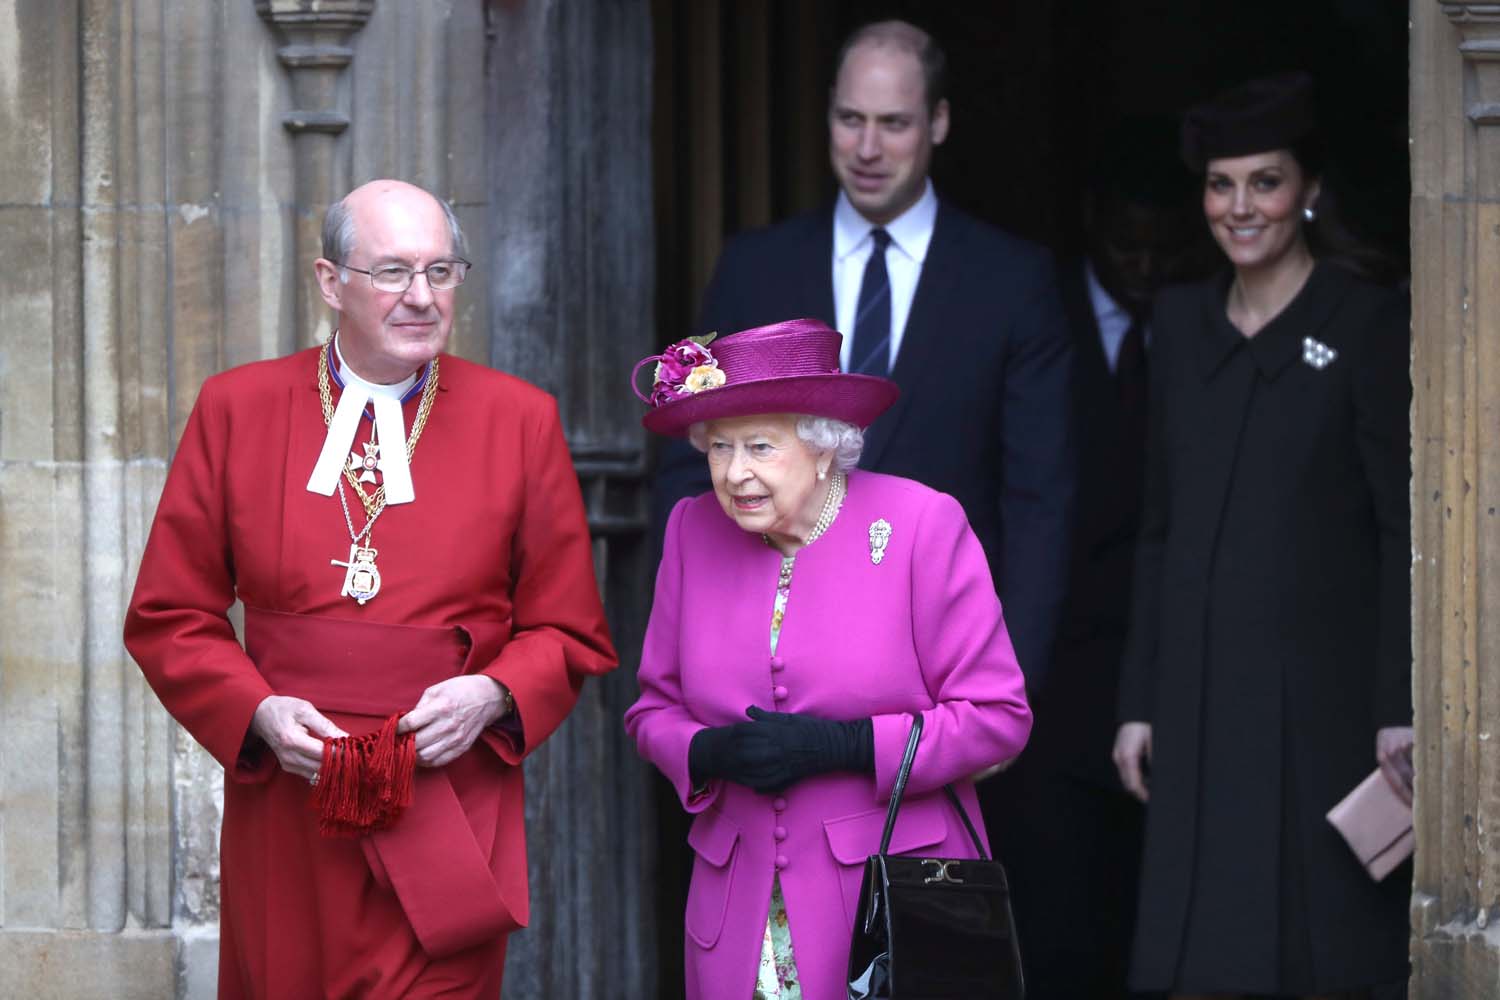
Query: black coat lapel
x,y
1282,341
1220,407
924,326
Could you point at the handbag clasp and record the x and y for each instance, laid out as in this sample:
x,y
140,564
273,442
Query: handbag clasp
x,y
942,871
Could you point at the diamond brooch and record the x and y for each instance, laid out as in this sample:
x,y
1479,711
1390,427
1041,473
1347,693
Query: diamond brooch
x,y
1317,354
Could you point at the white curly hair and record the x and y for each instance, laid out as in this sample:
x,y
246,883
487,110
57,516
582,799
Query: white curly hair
x,y
845,440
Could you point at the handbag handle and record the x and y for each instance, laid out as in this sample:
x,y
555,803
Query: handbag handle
x,y
908,756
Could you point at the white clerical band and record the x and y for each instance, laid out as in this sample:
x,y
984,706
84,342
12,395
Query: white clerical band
x,y
393,467
389,428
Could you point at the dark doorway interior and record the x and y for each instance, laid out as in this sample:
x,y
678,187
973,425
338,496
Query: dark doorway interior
x,y
740,140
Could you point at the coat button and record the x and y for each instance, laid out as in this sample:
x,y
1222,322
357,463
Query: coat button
x,y
780,692
781,861
777,663
778,803
779,833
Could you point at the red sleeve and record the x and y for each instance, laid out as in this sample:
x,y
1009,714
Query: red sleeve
x,y
177,627
559,635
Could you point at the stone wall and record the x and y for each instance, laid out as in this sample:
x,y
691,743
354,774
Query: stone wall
x,y
164,165
1455,216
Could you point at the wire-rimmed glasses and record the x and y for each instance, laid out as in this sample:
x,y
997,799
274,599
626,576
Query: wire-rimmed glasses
x,y
441,275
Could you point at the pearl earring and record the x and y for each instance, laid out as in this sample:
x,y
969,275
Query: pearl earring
x,y
822,474
1309,214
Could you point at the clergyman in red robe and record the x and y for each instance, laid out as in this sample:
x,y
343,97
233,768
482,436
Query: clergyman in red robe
x,y
406,534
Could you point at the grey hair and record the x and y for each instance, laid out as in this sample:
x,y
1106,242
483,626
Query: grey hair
x,y
338,231
845,440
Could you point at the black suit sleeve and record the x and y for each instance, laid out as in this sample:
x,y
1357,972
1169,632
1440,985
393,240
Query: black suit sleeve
x,y
1040,473
1382,401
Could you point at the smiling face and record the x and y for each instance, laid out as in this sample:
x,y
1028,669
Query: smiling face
x,y
1254,206
385,336
880,132
765,476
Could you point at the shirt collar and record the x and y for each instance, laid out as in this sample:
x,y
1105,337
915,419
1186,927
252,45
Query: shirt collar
x,y
911,231
350,377
1103,303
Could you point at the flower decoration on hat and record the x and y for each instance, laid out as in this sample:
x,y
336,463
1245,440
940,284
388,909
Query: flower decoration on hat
x,y
786,367
686,368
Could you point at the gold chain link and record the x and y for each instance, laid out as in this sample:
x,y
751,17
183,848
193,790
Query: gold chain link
x,y
375,503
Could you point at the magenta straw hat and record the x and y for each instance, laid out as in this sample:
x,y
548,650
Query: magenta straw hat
x,y
790,367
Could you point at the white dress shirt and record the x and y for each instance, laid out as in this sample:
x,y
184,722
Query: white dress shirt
x,y
1111,317
911,233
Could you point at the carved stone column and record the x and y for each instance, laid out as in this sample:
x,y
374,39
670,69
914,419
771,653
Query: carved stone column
x,y
135,224
1455,61
315,55
571,295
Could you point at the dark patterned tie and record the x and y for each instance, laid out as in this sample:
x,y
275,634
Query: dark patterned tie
x,y
870,352
1130,369
1131,390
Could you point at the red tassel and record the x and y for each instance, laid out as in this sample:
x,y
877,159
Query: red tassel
x,y
365,782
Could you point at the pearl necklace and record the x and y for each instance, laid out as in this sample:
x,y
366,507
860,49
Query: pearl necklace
x,y
833,502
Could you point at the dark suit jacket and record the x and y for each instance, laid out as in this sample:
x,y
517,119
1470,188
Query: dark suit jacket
x,y
1075,710
984,371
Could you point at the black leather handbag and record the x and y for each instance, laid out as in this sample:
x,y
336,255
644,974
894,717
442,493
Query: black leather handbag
x,y
933,928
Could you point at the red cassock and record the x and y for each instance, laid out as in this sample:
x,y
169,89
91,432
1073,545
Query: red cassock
x,y
489,570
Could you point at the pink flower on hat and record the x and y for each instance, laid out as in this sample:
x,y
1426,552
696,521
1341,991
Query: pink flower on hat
x,y
684,368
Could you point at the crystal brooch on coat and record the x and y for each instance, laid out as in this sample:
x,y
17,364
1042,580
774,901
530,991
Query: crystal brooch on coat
x,y
880,534
1317,354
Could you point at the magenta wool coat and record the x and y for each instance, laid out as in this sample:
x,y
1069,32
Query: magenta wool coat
x,y
921,631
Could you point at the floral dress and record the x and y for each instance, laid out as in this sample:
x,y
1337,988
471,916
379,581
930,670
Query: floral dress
x,y
777,978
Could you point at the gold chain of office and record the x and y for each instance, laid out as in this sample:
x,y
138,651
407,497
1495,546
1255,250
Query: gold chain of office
x,y
375,503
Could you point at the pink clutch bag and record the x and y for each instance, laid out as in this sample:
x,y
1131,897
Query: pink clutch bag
x,y
1377,825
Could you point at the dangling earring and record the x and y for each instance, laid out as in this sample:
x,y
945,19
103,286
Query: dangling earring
x,y
1309,214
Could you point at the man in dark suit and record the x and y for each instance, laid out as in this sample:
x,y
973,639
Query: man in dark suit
x,y
1067,830
965,318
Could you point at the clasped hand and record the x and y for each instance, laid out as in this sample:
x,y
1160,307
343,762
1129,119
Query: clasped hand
x,y
445,722
451,714
1393,748
778,749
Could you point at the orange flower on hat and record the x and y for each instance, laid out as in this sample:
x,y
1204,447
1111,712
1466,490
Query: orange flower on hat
x,y
704,377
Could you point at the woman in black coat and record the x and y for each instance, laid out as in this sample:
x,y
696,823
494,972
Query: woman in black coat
x,y
1268,669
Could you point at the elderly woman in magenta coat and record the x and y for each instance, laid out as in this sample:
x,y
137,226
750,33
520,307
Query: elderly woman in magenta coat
x,y
805,613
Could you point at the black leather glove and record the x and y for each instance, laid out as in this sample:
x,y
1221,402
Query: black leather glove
x,y
741,753
778,749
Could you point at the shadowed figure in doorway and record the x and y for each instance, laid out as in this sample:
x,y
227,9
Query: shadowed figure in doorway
x,y
1065,828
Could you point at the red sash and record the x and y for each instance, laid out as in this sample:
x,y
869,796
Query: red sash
x,y
430,858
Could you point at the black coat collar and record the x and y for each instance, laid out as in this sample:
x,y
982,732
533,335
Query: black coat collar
x,y
1279,342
